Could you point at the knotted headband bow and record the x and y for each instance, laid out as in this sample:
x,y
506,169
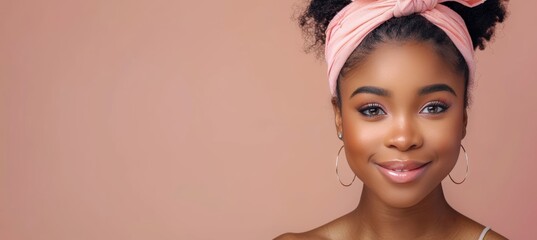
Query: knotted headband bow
x,y
356,20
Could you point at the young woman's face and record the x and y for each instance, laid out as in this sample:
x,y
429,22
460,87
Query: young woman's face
x,y
403,118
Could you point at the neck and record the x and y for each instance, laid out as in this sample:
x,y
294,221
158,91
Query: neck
x,y
432,218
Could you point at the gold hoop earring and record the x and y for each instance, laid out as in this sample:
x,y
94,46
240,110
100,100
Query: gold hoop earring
x,y
467,168
337,173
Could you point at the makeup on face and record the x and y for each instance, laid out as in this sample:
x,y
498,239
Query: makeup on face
x,y
402,118
400,171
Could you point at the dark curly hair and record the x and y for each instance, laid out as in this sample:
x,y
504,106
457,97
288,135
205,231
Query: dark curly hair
x,y
480,21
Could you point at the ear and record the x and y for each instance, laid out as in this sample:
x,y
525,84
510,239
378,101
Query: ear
x,y
465,123
337,115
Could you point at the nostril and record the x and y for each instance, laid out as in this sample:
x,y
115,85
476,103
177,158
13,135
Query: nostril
x,y
405,143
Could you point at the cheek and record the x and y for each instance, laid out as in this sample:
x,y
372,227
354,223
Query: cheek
x,y
362,141
443,139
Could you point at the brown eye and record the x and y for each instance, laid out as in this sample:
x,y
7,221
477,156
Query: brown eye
x,y
371,110
435,108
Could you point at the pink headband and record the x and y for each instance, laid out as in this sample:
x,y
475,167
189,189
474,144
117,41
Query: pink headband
x,y
356,20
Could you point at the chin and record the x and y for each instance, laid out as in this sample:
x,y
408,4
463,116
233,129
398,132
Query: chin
x,y
403,200
403,196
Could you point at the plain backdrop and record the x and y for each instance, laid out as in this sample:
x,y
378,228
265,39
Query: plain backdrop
x,y
159,119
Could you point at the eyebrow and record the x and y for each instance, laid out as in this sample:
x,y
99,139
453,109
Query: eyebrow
x,y
372,90
423,91
436,88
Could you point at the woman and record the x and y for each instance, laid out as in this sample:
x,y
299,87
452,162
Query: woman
x,y
400,73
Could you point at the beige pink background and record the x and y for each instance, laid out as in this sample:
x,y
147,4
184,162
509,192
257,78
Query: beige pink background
x,y
157,119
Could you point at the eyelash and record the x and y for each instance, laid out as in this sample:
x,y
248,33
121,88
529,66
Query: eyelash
x,y
436,104
378,107
370,106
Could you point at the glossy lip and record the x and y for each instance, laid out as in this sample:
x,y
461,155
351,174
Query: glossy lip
x,y
400,171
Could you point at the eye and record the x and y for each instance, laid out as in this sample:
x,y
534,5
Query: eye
x,y
371,110
435,107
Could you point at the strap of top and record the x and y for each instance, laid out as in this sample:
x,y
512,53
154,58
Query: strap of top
x,y
483,233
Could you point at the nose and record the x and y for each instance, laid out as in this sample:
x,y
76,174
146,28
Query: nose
x,y
404,134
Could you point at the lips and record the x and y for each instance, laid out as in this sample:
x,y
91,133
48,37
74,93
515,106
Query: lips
x,y
400,171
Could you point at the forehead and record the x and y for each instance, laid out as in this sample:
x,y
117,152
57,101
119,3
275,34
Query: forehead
x,y
402,67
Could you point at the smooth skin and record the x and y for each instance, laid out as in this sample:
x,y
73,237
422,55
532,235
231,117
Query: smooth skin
x,y
402,102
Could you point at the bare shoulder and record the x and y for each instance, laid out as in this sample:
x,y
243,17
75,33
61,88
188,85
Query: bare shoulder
x,y
492,235
300,236
336,229
477,228
288,236
320,233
